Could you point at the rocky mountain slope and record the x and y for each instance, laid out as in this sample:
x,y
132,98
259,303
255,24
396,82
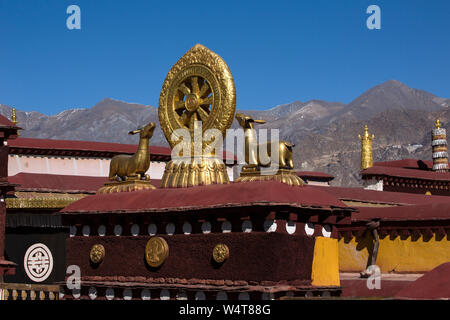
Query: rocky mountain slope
x,y
325,133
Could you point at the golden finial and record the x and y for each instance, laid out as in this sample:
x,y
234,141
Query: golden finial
x,y
14,119
366,149
438,124
366,135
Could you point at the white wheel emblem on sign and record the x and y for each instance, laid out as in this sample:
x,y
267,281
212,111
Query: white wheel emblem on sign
x,y
38,262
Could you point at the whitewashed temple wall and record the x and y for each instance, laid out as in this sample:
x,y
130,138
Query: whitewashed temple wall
x,y
75,166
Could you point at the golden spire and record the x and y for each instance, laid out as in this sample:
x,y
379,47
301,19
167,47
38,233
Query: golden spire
x,y
438,124
366,149
14,119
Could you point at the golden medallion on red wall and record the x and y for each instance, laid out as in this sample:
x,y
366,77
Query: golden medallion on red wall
x,y
97,253
221,253
156,251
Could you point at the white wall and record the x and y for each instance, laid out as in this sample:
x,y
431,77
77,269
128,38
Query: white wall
x,y
94,167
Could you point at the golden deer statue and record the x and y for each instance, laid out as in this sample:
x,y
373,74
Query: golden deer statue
x,y
126,167
252,153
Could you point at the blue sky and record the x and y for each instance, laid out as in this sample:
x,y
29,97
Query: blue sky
x,y
278,51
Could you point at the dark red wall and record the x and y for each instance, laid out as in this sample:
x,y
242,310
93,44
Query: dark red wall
x,y
4,151
256,256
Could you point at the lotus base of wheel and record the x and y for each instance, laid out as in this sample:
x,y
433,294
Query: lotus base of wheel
x,y
190,172
126,186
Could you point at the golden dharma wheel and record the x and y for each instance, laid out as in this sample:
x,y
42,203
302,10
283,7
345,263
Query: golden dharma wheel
x,y
221,253
156,251
199,87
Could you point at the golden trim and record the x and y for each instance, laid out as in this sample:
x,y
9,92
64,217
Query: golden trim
x,y
39,203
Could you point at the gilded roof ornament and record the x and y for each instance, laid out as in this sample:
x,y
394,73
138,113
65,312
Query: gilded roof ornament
x,y
14,119
282,163
128,172
366,135
366,149
198,92
437,124
199,87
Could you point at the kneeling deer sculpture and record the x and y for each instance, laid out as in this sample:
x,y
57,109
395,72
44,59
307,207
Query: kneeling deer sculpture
x,y
252,154
133,167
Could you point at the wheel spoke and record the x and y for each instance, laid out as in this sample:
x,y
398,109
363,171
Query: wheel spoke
x,y
179,105
185,117
194,83
207,101
204,90
206,108
184,89
203,114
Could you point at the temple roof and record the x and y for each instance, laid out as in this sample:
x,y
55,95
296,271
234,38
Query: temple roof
x,y
381,197
315,175
407,164
80,148
5,122
391,206
258,193
391,171
42,182
435,284
8,130
428,212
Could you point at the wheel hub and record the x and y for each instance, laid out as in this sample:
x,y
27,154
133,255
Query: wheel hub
x,y
191,102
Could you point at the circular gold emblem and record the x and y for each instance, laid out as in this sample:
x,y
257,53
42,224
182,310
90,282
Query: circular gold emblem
x,y
199,87
97,253
221,253
156,251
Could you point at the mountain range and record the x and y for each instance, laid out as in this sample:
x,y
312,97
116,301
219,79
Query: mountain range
x,y
325,133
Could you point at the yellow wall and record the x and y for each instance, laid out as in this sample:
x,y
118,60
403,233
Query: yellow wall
x,y
397,255
325,268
